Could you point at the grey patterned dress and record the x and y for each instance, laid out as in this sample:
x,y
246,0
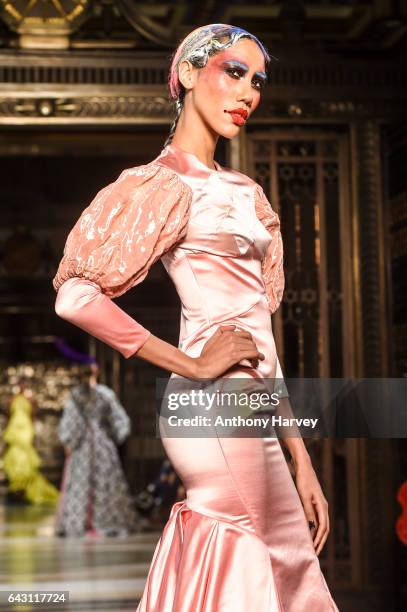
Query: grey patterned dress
x,y
95,492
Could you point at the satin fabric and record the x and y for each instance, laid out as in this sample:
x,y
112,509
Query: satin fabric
x,y
136,219
82,303
240,541
217,267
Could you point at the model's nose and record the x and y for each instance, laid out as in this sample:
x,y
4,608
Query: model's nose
x,y
246,96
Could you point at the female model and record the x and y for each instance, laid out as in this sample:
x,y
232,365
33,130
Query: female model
x,y
95,495
242,540
21,462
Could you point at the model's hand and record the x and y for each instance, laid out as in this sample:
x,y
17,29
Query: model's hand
x,y
224,349
314,502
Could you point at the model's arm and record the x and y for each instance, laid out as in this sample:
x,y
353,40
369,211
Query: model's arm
x,y
127,227
306,480
82,303
273,277
72,426
308,487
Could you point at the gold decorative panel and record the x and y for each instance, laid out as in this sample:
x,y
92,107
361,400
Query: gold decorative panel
x,y
301,174
305,175
44,23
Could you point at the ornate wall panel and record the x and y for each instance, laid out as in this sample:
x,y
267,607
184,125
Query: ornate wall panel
x,y
301,172
129,88
373,262
306,176
396,193
77,23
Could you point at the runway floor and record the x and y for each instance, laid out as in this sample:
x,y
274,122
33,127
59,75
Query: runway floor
x,y
104,574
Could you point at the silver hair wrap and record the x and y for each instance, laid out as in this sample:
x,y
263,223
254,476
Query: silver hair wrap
x,y
197,47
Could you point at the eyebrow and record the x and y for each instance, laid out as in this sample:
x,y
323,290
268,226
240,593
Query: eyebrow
x,y
245,67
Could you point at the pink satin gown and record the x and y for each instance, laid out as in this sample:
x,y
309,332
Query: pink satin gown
x,y
240,541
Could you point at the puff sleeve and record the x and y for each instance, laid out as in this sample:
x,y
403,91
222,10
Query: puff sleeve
x,y
272,264
126,228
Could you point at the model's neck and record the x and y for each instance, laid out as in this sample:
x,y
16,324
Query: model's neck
x,y
193,136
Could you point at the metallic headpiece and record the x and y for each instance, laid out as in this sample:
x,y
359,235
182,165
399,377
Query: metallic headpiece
x,y
197,47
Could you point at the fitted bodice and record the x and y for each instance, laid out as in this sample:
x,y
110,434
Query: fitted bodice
x,y
216,234
216,267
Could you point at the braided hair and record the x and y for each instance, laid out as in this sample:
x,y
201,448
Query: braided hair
x,y
197,47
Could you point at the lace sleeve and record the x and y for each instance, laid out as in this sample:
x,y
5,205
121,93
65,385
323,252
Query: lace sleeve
x,y
128,226
272,264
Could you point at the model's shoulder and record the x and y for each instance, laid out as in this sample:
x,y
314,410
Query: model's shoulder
x,y
243,178
104,389
148,180
149,171
247,180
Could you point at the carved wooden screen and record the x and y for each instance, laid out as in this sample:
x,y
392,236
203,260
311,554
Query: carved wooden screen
x,y
305,175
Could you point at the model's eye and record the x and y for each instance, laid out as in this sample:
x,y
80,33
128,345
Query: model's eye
x,y
259,83
235,73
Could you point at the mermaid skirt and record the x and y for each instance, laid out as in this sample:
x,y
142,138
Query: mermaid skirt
x,y
240,541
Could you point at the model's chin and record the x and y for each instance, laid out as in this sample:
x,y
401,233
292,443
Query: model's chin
x,y
230,131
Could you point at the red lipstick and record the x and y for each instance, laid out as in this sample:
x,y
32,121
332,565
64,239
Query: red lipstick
x,y
239,115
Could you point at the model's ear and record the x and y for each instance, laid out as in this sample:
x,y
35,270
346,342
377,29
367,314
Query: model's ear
x,y
186,74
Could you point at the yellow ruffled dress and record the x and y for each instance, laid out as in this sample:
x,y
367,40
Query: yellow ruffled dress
x,y
21,461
